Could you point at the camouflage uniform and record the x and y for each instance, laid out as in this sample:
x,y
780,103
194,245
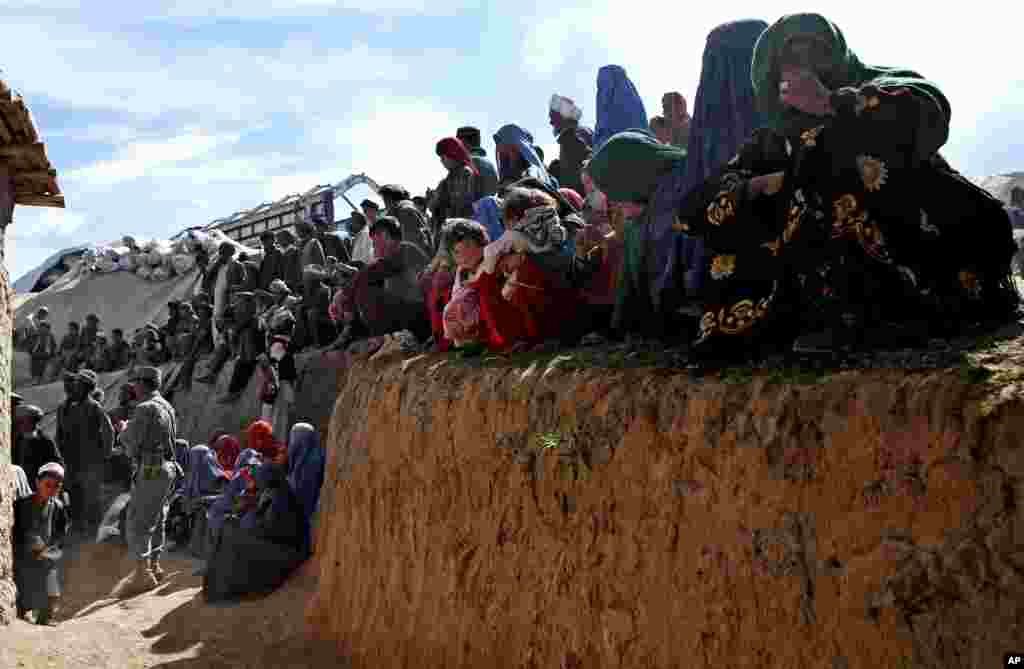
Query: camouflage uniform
x,y
149,442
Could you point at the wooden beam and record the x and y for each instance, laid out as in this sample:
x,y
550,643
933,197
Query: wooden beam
x,y
34,175
12,151
18,118
29,125
40,200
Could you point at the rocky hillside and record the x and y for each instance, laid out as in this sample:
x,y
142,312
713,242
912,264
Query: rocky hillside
x,y
604,511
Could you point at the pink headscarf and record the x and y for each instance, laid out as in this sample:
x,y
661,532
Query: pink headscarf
x,y
574,198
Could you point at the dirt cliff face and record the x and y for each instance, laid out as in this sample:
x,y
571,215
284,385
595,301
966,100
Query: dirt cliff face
x,y
538,517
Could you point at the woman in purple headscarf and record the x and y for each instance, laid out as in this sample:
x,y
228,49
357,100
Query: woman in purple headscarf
x,y
205,475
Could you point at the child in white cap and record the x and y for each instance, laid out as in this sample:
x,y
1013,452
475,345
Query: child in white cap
x,y
40,527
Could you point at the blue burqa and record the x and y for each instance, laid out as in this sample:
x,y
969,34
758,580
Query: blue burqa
x,y
523,141
306,461
619,106
204,472
488,214
724,118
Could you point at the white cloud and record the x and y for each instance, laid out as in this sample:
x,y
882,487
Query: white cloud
x,y
393,141
33,221
970,54
142,158
247,9
106,70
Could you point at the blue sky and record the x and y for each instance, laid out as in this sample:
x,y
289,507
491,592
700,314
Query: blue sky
x,y
164,114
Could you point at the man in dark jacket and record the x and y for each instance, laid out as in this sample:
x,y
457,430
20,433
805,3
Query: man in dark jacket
x,y
32,448
291,269
331,243
252,272
85,437
573,142
272,266
119,353
249,344
224,277
87,340
470,136
414,224
386,296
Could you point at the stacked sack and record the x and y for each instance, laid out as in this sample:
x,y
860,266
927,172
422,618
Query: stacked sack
x,y
109,259
160,259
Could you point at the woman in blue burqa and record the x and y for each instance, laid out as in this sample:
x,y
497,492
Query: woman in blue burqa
x,y
839,226
672,263
619,106
263,541
306,461
724,118
517,158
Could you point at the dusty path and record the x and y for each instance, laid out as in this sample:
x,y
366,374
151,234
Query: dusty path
x,y
170,627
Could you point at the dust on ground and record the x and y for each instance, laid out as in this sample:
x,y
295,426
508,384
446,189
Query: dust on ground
x,y
102,626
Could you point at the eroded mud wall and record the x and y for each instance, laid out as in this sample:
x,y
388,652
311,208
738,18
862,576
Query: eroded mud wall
x,y
525,518
6,363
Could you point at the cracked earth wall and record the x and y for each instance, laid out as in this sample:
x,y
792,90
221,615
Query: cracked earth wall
x,y
6,356
611,518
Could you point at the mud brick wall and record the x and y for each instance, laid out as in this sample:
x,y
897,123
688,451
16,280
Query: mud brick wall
x,y
606,518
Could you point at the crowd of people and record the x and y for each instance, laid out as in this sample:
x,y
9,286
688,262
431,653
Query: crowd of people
x,y
804,207
247,511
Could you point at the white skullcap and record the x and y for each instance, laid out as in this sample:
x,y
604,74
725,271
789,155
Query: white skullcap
x,y
51,468
565,107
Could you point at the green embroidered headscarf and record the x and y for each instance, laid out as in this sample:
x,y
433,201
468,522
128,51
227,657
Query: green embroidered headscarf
x,y
846,70
628,166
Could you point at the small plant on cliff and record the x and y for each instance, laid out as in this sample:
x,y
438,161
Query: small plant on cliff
x,y
796,375
974,373
549,441
737,375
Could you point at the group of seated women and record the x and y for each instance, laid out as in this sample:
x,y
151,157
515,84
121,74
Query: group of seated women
x,y
811,212
251,509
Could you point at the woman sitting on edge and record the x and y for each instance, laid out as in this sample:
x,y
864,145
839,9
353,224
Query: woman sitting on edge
x,y
839,225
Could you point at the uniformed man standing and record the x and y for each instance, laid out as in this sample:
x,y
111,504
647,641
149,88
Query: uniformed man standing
x,y
148,439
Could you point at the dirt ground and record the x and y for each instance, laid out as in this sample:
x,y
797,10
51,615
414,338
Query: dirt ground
x,y
170,627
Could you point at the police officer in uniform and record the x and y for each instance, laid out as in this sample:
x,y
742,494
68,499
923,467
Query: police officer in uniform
x,y
148,439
